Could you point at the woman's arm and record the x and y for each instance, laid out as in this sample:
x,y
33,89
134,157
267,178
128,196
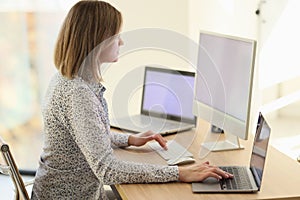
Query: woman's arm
x,y
141,139
119,139
91,133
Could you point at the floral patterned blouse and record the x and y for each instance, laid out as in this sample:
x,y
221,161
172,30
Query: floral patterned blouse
x,y
77,156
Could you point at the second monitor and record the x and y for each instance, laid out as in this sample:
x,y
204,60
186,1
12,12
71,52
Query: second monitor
x,y
223,87
166,103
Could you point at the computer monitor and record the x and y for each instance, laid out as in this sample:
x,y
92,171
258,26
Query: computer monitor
x,y
223,86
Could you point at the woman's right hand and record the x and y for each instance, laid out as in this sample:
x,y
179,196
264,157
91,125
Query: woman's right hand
x,y
201,171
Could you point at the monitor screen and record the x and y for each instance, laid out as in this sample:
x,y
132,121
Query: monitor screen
x,y
169,93
224,81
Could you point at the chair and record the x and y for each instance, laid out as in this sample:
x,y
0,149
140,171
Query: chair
x,y
12,170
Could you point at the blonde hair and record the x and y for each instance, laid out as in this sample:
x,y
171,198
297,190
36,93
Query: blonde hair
x,y
87,24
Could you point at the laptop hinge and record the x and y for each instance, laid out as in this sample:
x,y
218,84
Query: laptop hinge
x,y
256,177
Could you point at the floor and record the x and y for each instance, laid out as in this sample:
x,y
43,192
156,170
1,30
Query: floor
x,y
27,144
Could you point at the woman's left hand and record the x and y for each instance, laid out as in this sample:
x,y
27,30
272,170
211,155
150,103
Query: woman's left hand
x,y
142,138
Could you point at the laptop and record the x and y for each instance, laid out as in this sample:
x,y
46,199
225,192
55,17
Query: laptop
x,y
166,105
247,179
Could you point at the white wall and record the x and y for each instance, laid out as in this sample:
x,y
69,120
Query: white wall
x,y
279,63
289,88
185,18
155,13
233,17
140,17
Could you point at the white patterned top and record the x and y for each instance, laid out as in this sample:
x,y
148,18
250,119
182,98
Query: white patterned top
x,y
77,156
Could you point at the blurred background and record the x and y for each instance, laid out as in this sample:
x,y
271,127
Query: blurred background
x,y
29,29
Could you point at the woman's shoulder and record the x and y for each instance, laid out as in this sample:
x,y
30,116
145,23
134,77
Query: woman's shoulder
x,y
63,88
68,85
74,88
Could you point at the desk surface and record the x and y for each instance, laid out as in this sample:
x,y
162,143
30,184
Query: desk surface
x,y
280,181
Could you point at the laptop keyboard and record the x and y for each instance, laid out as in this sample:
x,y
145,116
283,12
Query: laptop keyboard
x,y
239,181
175,150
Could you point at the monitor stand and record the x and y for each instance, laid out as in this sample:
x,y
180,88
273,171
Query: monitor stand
x,y
231,142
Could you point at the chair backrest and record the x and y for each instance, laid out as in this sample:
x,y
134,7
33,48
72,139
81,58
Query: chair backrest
x,y
14,173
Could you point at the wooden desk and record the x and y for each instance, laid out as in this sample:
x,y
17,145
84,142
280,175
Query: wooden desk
x,y
281,179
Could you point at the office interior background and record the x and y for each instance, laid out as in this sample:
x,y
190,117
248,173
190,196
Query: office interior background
x,y
29,29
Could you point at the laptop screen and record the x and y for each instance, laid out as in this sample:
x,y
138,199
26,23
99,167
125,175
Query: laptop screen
x,y
259,151
169,94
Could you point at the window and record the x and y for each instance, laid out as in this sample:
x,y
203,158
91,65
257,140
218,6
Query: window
x,y
27,37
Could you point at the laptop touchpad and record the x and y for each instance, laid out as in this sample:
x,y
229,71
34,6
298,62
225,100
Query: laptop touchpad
x,y
211,180
208,185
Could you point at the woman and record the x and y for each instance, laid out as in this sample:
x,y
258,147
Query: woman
x,y
77,157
